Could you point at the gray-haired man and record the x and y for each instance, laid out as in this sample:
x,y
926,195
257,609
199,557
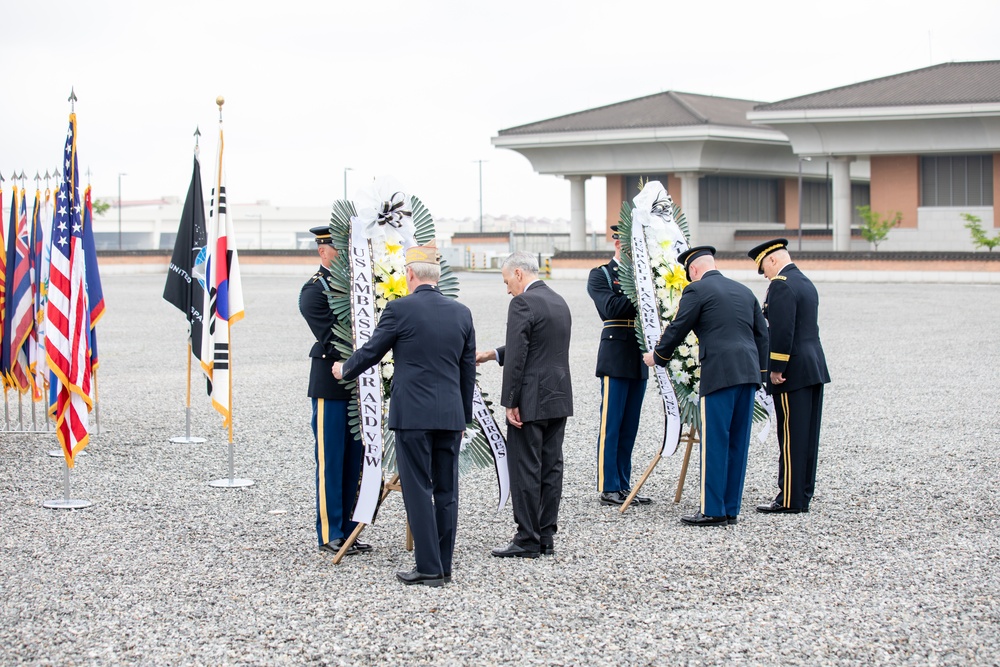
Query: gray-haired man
x,y
538,395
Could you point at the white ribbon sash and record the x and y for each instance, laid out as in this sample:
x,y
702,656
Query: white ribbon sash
x,y
484,417
767,402
369,390
649,316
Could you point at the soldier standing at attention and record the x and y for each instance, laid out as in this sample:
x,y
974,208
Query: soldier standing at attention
x,y
796,374
623,378
338,452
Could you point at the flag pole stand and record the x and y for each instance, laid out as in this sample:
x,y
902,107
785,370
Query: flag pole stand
x,y
66,503
231,482
187,438
393,485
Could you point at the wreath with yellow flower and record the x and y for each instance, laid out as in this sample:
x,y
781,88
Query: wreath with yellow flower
x,y
389,273
669,281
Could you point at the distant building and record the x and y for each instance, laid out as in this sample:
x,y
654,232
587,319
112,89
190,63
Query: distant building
x,y
925,143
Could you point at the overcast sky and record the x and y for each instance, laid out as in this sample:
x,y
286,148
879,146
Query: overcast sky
x,y
412,89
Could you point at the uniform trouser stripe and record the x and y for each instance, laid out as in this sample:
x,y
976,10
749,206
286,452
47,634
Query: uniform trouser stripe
x,y
799,413
704,439
786,495
602,436
324,517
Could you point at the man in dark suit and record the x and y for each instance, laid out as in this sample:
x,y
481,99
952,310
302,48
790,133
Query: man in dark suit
x,y
732,340
338,452
434,350
797,373
538,395
623,381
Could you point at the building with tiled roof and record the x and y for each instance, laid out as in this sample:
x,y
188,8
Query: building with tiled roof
x,y
925,143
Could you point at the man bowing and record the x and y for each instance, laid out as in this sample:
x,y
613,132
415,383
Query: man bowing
x,y
434,348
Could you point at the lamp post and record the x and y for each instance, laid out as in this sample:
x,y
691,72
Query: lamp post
x,y
801,159
120,174
480,193
346,169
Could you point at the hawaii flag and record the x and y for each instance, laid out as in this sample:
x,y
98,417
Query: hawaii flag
x,y
67,314
19,321
223,297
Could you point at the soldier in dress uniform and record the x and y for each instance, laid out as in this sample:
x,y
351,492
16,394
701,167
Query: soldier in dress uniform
x,y
732,343
796,374
623,378
338,452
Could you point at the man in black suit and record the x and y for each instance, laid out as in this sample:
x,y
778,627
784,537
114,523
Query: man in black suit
x,y
434,349
538,395
338,452
623,381
797,373
732,340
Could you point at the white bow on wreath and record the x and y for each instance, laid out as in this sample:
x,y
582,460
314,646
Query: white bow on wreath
x,y
654,209
385,211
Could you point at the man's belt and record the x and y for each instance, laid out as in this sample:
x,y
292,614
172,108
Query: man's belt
x,y
619,323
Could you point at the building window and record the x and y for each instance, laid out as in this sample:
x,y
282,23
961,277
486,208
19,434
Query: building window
x,y
816,203
956,180
732,199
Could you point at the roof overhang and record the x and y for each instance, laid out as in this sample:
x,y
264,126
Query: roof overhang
x,y
696,148
951,128
641,135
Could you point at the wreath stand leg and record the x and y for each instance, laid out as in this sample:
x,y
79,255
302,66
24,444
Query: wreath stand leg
x,y
691,437
392,485
642,480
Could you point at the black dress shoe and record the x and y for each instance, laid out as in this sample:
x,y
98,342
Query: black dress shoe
x,y
642,500
513,551
547,549
333,546
700,519
612,498
732,520
774,507
413,577
362,547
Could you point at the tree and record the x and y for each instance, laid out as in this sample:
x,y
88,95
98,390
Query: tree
x,y
100,207
875,227
979,238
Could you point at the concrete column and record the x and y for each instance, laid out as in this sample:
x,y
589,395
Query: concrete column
x,y
840,174
691,199
577,212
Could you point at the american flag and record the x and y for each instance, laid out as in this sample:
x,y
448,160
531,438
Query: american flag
x,y
223,297
67,339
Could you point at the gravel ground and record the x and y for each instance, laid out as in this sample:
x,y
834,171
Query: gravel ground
x,y
897,562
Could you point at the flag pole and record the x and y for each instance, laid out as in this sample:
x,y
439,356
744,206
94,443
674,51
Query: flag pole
x,y
231,481
97,403
186,439
66,502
